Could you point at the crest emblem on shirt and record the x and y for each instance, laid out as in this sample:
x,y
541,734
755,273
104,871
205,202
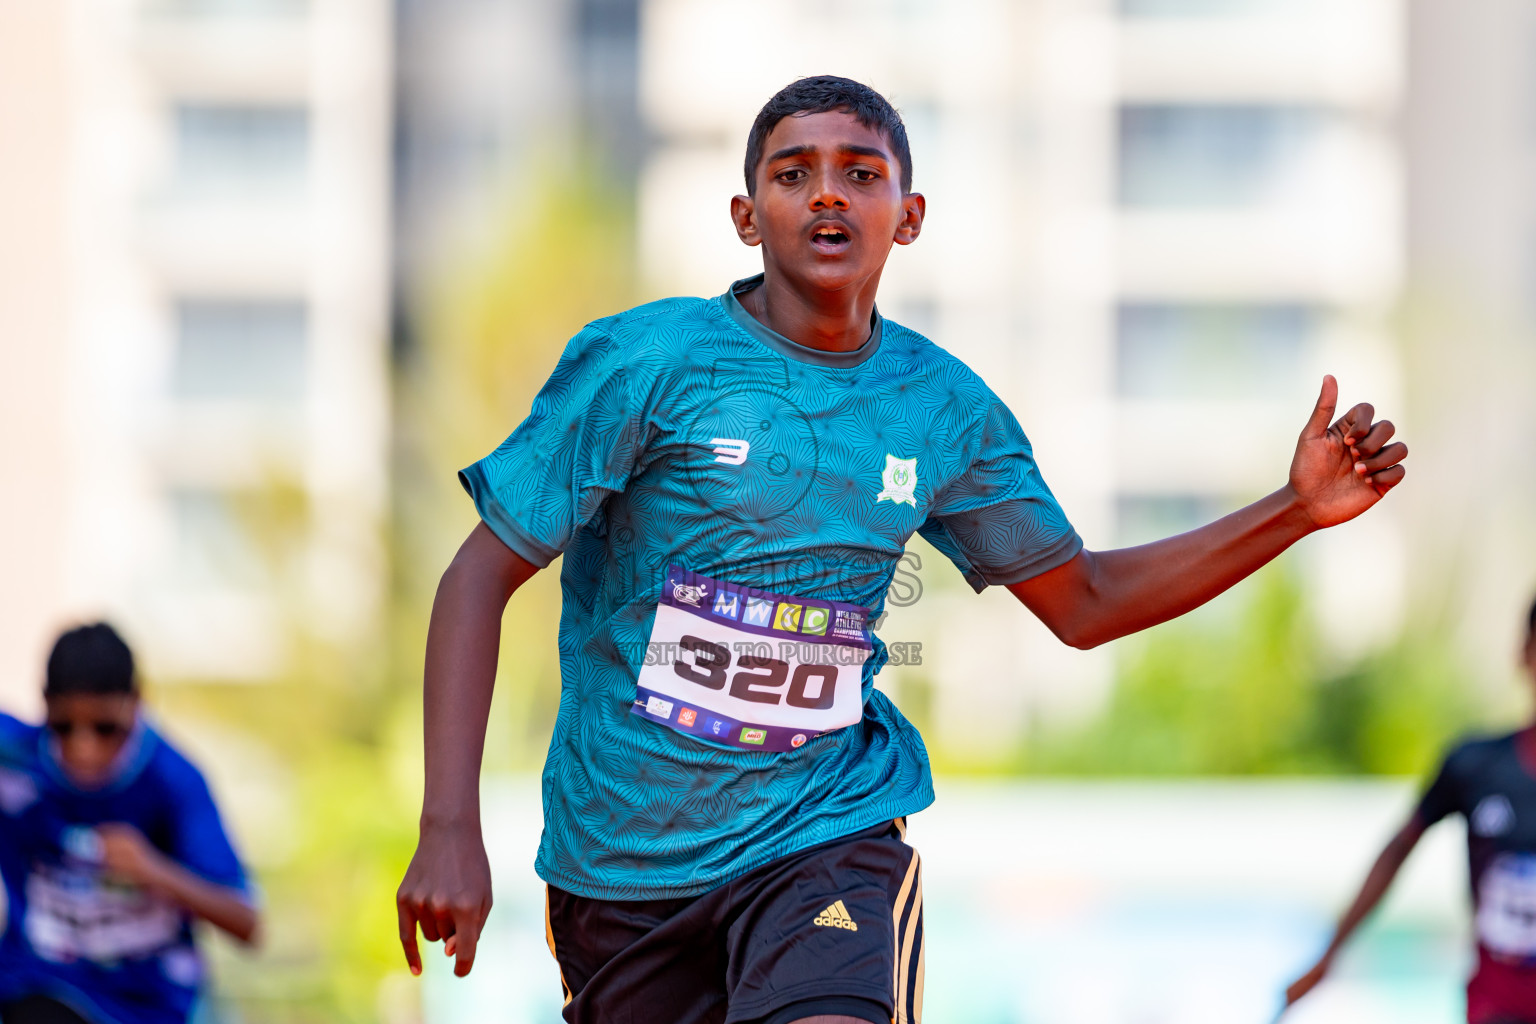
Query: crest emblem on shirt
x,y
898,481
1493,816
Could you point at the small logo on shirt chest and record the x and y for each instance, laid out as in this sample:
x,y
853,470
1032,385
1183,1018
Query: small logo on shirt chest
x,y
898,481
730,451
1493,816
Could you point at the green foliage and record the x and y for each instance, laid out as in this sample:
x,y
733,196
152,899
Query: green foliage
x,y
1257,693
1394,712
347,832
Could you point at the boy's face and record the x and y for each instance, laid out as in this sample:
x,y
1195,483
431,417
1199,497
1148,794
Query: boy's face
x,y
91,729
828,202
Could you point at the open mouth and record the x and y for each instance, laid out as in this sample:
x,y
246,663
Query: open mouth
x,y
830,238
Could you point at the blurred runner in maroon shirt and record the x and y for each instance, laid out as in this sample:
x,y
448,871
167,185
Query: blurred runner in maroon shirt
x,y
1491,783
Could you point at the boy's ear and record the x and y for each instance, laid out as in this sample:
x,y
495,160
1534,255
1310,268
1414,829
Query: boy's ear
x,y
744,216
913,208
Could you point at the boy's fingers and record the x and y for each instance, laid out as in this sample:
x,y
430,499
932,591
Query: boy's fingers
x,y
1388,478
443,923
1391,455
1354,425
408,937
1379,435
1322,413
466,939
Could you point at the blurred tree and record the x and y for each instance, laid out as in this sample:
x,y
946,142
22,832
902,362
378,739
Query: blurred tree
x,y
1257,693
491,335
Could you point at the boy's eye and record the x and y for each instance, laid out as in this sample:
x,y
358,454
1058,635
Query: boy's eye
x,y
794,174
104,729
864,174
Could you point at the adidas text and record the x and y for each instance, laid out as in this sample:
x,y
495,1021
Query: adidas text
x,y
836,916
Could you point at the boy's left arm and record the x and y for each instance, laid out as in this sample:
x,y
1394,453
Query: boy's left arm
x,y
127,853
1337,473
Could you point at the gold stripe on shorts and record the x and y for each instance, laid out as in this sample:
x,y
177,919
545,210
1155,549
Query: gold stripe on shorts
x,y
917,989
549,936
909,1010
909,905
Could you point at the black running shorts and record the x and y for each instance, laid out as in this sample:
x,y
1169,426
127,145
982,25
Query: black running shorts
x,y
39,1010
833,929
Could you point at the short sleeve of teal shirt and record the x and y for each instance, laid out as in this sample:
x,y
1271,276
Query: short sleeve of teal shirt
x,y
577,446
998,521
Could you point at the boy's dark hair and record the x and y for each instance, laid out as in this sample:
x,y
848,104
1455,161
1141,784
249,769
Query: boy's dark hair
x,y
818,95
1530,624
90,659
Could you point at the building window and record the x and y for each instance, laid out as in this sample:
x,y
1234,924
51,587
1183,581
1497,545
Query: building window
x,y
238,144
1171,350
1207,155
618,19
241,350
227,8
1193,8
1143,518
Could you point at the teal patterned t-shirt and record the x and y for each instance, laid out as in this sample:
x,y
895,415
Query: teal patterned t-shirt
x,y
684,432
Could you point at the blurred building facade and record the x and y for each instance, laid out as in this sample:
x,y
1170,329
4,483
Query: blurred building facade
x,y
194,306
1193,208
1153,225
1469,133
488,93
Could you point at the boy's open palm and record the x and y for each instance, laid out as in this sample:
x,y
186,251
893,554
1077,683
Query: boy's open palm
x,y
1339,471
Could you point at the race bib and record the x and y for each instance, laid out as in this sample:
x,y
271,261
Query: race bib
x,y
749,668
80,915
1506,907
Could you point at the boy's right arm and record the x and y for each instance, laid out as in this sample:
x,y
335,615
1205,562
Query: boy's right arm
x,y
447,888
1376,884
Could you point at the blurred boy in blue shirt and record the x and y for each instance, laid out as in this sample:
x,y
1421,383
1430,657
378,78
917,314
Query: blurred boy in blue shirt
x,y
110,846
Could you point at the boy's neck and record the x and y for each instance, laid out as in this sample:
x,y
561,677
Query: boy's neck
x,y
830,320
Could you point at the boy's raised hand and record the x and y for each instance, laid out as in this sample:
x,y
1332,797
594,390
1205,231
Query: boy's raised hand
x,y
1339,471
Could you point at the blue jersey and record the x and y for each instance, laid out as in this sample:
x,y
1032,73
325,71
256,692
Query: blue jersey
x,y
686,434
116,953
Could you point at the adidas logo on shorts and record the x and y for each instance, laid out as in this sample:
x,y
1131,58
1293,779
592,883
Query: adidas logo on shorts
x,y
836,916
